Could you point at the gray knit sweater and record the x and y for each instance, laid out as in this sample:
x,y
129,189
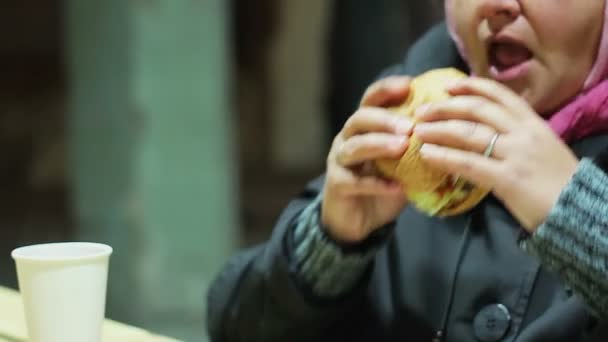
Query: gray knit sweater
x,y
573,242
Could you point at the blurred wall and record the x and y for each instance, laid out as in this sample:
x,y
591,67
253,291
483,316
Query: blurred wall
x,y
298,58
152,157
366,37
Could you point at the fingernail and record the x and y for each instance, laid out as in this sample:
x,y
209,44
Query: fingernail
x,y
421,110
453,84
428,150
398,142
403,126
395,83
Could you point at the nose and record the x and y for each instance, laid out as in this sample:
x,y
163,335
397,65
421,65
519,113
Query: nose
x,y
500,13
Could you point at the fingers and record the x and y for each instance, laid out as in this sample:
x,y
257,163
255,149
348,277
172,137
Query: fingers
x,y
482,171
387,92
350,164
371,118
491,90
458,134
469,108
371,146
369,134
368,119
348,184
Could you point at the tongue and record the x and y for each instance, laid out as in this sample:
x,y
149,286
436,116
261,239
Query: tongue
x,y
508,54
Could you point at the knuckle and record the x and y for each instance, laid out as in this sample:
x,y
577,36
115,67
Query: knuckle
x,y
336,142
348,125
356,116
334,151
350,148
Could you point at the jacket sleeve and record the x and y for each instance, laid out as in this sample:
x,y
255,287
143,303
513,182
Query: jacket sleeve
x,y
257,298
324,267
573,241
262,295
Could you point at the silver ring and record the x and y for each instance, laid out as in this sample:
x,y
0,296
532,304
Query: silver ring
x,y
488,151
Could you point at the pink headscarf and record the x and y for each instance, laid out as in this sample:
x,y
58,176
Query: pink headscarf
x,y
586,114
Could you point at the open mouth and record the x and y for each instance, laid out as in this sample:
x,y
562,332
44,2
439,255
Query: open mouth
x,y
508,59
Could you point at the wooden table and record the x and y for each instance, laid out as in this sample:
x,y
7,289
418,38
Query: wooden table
x,y
12,324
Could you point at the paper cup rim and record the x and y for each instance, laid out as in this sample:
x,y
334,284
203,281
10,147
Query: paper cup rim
x,y
25,253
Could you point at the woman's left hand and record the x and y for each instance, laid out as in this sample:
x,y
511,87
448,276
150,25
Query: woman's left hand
x,y
529,165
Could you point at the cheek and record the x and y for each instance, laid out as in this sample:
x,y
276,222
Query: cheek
x,y
571,41
573,31
569,46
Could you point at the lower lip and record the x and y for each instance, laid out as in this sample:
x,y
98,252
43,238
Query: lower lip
x,y
512,73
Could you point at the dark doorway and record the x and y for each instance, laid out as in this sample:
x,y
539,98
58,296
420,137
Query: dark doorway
x,y
34,204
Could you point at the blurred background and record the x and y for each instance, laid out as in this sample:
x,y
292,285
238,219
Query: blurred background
x,y
176,130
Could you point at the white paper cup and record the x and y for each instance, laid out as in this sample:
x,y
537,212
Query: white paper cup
x,y
63,286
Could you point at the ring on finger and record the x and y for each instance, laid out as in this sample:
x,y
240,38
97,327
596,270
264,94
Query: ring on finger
x,y
490,148
486,153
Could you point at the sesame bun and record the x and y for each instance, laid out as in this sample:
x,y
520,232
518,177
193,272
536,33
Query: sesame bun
x,y
431,191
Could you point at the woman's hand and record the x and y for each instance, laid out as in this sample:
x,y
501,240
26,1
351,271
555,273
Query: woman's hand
x,y
529,165
356,200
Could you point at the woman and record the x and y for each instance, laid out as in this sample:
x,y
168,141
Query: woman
x,y
561,202
349,260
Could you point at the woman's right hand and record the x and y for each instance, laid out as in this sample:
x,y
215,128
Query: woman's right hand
x,y
356,199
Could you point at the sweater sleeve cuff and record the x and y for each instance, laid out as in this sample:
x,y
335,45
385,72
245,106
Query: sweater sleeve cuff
x,y
567,242
328,268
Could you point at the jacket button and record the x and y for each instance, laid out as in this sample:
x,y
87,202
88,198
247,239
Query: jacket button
x,y
492,323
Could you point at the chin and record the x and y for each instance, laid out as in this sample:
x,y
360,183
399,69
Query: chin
x,y
526,87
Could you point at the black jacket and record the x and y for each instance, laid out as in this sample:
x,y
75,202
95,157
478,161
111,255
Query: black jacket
x,y
465,274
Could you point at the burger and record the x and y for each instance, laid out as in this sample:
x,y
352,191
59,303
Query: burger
x,y
431,191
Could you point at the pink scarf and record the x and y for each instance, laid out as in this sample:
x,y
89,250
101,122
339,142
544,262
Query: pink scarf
x,y
587,113
584,116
